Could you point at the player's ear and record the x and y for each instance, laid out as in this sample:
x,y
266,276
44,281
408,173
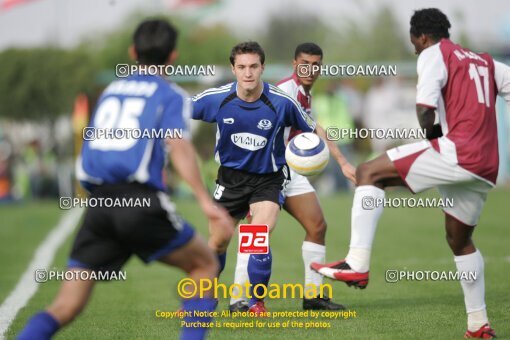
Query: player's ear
x,y
424,39
132,53
172,57
233,69
294,64
263,66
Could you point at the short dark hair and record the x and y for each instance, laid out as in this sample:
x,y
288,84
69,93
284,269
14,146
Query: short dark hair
x,y
308,48
245,48
154,40
430,21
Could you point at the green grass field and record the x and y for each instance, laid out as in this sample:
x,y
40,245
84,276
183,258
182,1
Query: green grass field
x,y
410,239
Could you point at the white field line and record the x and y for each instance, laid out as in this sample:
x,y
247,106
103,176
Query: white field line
x,y
43,258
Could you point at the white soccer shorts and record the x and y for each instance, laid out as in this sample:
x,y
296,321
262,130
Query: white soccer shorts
x,y
298,185
422,168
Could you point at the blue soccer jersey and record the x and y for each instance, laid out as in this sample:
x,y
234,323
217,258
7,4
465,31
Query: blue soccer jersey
x,y
250,135
125,141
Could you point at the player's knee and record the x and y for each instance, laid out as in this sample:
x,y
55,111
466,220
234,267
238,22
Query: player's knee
x,y
219,241
457,244
219,245
322,226
364,174
206,267
449,240
317,232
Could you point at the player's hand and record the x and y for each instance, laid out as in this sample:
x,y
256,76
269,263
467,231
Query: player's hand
x,y
349,172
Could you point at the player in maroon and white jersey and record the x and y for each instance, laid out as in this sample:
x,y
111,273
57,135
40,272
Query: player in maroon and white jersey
x,y
301,201
294,87
460,158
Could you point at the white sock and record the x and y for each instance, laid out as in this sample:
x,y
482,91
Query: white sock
x,y
241,276
359,259
364,217
474,290
313,252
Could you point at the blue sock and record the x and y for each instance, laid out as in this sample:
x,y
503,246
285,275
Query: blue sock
x,y
223,259
191,305
259,272
41,326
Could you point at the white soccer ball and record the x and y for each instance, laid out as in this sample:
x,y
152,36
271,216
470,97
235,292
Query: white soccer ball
x,y
307,154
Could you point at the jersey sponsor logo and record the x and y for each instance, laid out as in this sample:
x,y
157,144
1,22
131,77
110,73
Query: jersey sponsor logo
x,y
248,141
265,124
228,120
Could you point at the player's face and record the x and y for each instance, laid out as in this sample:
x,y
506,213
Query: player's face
x,y
418,43
248,70
308,59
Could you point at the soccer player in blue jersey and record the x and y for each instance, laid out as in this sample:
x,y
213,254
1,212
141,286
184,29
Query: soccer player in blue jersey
x,y
132,168
251,117
301,201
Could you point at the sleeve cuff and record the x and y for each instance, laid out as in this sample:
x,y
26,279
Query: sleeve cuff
x,y
426,105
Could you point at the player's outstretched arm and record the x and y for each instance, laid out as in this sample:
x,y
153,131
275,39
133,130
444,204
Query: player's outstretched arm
x,y
348,170
183,156
426,118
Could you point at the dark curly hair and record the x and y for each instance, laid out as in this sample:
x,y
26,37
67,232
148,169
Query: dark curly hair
x,y
246,48
430,21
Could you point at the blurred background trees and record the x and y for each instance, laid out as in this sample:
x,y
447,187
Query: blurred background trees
x,y
41,83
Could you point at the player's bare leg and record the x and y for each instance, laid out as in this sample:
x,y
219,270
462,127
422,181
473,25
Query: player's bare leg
x,y
458,236
265,212
379,172
259,265
199,262
195,258
373,177
219,239
71,299
306,209
469,260
68,304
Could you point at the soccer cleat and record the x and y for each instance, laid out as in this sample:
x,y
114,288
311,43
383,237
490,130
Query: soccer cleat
x,y
485,332
341,271
239,306
319,303
259,309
